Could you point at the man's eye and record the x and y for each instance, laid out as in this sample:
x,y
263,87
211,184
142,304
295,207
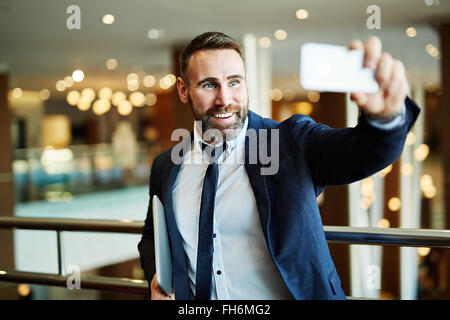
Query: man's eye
x,y
233,83
209,86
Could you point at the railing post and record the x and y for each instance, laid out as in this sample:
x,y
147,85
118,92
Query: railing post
x,y
59,248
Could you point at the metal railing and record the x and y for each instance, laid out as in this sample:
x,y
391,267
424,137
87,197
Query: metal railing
x,y
349,235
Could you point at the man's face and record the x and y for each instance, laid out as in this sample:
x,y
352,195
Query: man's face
x,y
217,90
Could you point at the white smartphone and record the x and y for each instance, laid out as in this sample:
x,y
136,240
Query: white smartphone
x,y
325,67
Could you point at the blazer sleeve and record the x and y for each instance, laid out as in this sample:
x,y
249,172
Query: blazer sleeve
x,y
342,156
146,246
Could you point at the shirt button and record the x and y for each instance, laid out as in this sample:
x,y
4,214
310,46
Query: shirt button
x,y
219,272
214,235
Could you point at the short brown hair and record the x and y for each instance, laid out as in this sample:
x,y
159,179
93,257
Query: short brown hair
x,y
206,41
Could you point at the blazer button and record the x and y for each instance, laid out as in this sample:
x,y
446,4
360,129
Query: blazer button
x,y
219,272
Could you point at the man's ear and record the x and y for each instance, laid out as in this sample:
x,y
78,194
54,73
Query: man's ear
x,y
182,90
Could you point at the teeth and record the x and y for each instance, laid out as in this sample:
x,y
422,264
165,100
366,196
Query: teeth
x,y
223,115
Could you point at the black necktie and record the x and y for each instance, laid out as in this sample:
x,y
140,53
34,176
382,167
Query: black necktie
x,y
205,231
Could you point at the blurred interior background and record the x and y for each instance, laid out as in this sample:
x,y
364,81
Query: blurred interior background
x,y
88,99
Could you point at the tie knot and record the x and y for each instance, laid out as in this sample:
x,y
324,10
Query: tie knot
x,y
213,152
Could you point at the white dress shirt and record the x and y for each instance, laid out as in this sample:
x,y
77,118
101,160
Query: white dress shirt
x,y
242,265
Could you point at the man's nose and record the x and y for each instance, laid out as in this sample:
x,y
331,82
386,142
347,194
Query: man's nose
x,y
223,97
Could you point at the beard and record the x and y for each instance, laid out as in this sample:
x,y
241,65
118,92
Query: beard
x,y
232,130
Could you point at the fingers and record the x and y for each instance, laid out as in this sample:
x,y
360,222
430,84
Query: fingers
x,y
384,71
157,293
157,296
398,77
397,88
356,44
360,99
372,52
391,77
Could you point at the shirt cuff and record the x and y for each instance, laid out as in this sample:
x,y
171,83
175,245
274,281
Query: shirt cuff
x,y
398,121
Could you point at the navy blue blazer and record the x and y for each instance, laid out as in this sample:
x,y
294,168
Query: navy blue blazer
x,y
311,156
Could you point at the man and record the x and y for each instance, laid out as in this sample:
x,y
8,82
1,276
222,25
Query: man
x,y
236,233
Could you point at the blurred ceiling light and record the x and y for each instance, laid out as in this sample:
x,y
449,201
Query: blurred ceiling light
x,y
407,169
172,78
108,19
302,14
117,97
132,76
151,99
280,34
84,103
421,152
432,50
383,223
276,94
165,83
410,138
78,76
23,290
44,94
425,181
68,81
423,252
427,187
89,93
17,93
124,108
60,85
149,81
101,106
154,34
304,107
289,94
367,187
105,93
111,64
132,85
394,204
265,42
73,97
137,99
411,32
430,192
313,96
385,171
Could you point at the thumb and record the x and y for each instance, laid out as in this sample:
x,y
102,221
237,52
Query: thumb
x,y
360,99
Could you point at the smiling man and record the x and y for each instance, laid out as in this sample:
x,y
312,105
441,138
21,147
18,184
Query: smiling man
x,y
213,82
236,233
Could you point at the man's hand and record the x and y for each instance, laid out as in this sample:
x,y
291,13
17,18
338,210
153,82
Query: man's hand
x,y
158,293
391,78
